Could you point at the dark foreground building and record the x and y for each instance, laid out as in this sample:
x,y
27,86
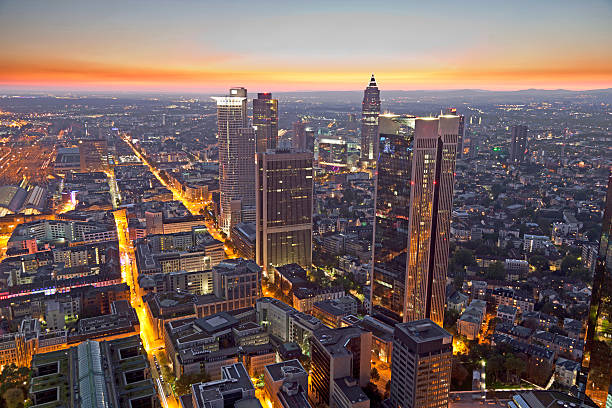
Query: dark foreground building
x,y
598,345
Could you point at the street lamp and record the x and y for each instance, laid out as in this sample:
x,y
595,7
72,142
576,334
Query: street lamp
x,y
483,380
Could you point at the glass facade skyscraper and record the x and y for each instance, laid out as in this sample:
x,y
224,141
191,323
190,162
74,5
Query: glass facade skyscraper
x,y
265,121
284,188
598,344
236,160
414,189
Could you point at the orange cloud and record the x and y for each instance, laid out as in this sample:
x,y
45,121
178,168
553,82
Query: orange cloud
x,y
81,74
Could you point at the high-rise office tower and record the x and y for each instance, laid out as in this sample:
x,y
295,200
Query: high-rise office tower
x,y
303,137
518,146
598,344
463,147
421,369
236,159
284,187
370,109
265,121
340,364
415,175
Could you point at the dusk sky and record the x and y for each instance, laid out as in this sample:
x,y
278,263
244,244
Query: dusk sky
x,y
208,46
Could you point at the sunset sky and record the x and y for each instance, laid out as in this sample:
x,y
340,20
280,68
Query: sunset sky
x,y
208,46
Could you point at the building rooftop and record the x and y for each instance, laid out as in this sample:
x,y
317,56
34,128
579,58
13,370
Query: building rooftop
x,y
280,370
351,390
423,331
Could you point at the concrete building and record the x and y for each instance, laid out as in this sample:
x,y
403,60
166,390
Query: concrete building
x,y
286,385
421,369
111,373
340,366
232,390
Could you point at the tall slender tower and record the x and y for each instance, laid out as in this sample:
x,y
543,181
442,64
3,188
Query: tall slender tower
x,y
463,141
284,188
518,146
370,109
265,121
598,344
414,191
236,159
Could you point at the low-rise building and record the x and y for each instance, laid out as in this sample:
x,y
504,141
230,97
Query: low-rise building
x,y
95,374
507,314
286,385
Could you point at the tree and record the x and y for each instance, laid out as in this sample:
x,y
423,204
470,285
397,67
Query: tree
x,y
463,257
496,271
458,374
540,263
374,374
13,397
183,384
494,367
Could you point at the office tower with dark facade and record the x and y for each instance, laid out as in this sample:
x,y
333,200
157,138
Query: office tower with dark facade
x,y
236,160
421,369
303,137
265,121
598,343
370,109
340,365
518,144
284,187
413,203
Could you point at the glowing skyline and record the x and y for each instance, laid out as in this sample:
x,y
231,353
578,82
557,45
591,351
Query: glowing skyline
x,y
204,46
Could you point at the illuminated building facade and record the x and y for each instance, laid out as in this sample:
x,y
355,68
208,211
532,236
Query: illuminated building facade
x,y
463,142
598,344
236,159
265,121
333,153
370,109
518,146
284,188
421,369
93,154
303,137
414,189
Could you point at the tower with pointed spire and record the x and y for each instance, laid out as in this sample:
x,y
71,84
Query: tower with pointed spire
x,y
370,109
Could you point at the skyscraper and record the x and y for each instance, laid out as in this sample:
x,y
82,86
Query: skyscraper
x,y
598,343
265,121
370,109
303,137
421,369
463,147
413,202
284,186
236,159
518,146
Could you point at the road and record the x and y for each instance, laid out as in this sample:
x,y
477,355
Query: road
x,y
129,274
194,207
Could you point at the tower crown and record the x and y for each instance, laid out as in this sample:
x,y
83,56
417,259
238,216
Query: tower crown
x,y
372,81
